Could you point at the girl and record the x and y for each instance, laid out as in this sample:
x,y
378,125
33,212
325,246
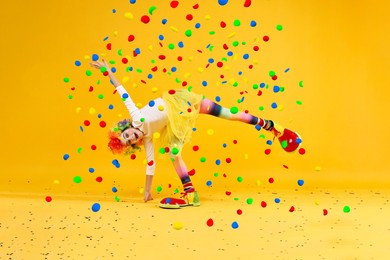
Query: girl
x,y
173,116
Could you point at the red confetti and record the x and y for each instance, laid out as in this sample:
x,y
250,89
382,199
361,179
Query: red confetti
x,y
108,46
125,60
259,93
105,73
325,212
285,166
155,68
102,124
225,46
239,211
167,150
184,83
255,48
250,66
219,64
150,163
189,110
72,88
196,6
164,70
267,151
192,172
161,57
131,38
172,91
302,151
87,123
266,38
223,24
174,4
90,89
228,193
195,148
169,185
247,3
224,175
143,81
263,204
210,222
292,209
145,19
99,179
228,160
93,147
48,199
271,180
189,17
179,58
133,156
274,77
234,141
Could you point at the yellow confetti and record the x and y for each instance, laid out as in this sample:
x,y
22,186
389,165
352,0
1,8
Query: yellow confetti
x,y
317,168
190,58
161,108
125,79
154,90
200,69
210,131
129,16
87,57
231,34
317,202
281,108
156,135
207,17
173,29
78,109
139,105
258,182
150,47
187,75
92,111
246,156
255,61
141,190
116,33
56,182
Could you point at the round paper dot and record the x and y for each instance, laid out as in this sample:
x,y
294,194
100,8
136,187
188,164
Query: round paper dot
x,y
263,204
210,222
145,19
99,179
234,110
174,4
102,124
66,156
177,225
239,211
223,2
234,225
95,207
346,209
301,182
77,179
114,189
48,199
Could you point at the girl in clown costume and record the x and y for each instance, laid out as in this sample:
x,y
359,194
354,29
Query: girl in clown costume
x,y
173,115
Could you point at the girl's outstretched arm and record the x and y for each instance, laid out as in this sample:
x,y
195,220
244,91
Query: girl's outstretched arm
x,y
103,63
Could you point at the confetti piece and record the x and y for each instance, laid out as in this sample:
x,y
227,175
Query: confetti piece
x,y
234,225
77,179
129,16
152,9
239,212
48,199
95,207
210,222
346,209
177,225
279,27
292,209
301,182
223,2
263,204
325,212
66,156
174,4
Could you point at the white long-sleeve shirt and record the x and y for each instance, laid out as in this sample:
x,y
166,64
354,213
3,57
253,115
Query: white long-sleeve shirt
x,y
148,119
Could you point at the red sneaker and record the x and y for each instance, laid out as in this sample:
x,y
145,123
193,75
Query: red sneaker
x,y
188,199
289,140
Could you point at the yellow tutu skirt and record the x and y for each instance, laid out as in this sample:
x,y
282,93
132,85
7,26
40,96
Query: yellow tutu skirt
x,y
182,110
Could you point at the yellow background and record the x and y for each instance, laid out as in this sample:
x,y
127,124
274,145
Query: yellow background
x,y
338,49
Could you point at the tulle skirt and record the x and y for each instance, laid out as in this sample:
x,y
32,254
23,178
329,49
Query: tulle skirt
x,y
182,109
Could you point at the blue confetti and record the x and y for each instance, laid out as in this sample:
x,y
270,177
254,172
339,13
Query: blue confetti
x,y
274,105
218,162
246,56
234,225
269,142
276,89
132,1
211,60
151,103
125,95
180,44
114,189
164,21
66,156
301,182
91,170
197,25
218,98
262,85
95,207
277,200
95,57
137,51
287,70
204,83
173,69
77,63
230,53
161,37
253,23
81,129
150,76
209,183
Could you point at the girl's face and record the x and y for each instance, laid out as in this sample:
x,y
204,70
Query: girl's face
x,y
131,136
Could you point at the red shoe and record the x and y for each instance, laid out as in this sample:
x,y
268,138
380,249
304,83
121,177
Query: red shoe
x,y
289,140
189,199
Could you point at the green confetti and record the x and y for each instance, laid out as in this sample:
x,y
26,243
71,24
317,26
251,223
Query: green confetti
x,y
79,150
239,179
272,73
236,23
249,201
139,70
103,69
188,33
234,110
66,80
279,27
212,32
216,174
301,84
346,209
175,151
162,150
70,96
299,102
77,179
235,43
171,46
100,96
203,159
159,189
261,108
120,52
152,9
284,144
117,199
255,86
